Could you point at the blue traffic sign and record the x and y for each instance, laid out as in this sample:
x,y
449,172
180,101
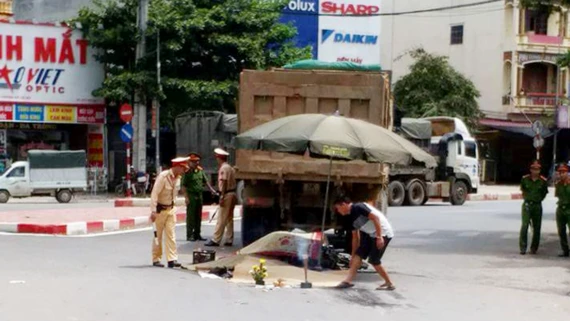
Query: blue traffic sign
x,y
126,133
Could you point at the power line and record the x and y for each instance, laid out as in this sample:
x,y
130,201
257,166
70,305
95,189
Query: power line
x,y
456,14
466,5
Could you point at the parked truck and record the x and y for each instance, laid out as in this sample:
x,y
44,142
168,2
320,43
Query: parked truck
x,y
201,132
456,153
286,191
45,173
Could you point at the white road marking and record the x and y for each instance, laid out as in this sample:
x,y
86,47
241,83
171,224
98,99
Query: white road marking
x,y
509,236
427,232
468,234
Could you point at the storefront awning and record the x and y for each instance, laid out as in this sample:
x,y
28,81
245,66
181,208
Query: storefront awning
x,y
514,127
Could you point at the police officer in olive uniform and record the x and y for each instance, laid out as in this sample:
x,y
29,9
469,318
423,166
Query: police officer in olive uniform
x,y
563,210
534,188
193,184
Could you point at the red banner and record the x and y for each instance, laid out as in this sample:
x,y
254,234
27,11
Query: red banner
x,y
95,150
90,115
6,112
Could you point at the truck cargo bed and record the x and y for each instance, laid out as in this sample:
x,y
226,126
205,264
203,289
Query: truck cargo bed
x,y
268,95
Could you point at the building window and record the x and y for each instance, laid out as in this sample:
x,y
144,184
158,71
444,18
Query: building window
x,y
457,35
471,149
536,21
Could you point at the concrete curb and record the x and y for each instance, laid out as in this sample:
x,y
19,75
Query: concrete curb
x,y
495,197
80,228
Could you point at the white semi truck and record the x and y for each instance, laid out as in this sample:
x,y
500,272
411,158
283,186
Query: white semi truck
x,y
455,150
45,173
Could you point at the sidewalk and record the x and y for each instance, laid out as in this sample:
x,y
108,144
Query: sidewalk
x,y
501,193
88,220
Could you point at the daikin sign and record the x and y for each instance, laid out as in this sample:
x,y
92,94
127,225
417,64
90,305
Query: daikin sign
x,y
346,30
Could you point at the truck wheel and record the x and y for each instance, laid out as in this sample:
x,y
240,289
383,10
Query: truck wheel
x,y
426,199
415,193
4,197
396,193
459,193
63,196
256,223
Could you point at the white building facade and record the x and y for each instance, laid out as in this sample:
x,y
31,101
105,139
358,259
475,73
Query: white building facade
x,y
509,52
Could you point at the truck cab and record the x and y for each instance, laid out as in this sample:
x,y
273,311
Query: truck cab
x,y
16,181
462,152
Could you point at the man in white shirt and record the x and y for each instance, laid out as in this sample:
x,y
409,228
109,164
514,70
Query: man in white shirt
x,y
372,232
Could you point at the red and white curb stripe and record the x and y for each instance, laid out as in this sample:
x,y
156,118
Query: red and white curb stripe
x,y
103,226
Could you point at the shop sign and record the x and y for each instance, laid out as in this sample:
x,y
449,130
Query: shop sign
x,y
95,149
55,114
6,112
28,126
301,6
345,9
90,115
95,145
350,30
352,38
47,65
29,113
52,114
525,57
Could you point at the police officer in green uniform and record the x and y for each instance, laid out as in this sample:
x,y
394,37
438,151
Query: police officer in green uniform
x,y
563,210
193,184
534,188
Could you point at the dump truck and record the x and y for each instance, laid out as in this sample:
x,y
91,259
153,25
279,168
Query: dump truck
x,y
448,139
286,191
45,173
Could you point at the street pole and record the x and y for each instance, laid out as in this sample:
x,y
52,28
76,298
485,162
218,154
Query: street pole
x,y
158,102
139,121
556,102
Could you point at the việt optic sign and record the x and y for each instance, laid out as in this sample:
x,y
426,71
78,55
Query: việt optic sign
x,y
47,65
337,30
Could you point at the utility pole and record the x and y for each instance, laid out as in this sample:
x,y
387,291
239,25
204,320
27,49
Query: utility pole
x,y
139,120
157,104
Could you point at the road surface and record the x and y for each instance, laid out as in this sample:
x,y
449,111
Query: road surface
x,y
449,263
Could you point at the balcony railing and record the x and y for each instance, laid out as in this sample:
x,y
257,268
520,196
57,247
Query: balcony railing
x,y
536,100
531,38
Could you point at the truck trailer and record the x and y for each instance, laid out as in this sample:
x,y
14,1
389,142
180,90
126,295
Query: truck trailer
x,y
455,150
286,191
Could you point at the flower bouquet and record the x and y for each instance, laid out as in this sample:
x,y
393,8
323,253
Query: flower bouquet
x,y
259,272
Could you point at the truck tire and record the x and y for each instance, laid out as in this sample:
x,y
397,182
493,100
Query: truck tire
x,y
459,193
64,196
256,223
415,193
4,197
396,193
426,199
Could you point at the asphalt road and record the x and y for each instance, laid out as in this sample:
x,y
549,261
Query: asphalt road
x,y
449,263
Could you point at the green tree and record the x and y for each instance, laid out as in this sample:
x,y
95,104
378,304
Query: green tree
x,y
434,88
204,46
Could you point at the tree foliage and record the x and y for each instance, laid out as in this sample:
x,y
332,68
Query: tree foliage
x,y
434,88
204,45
